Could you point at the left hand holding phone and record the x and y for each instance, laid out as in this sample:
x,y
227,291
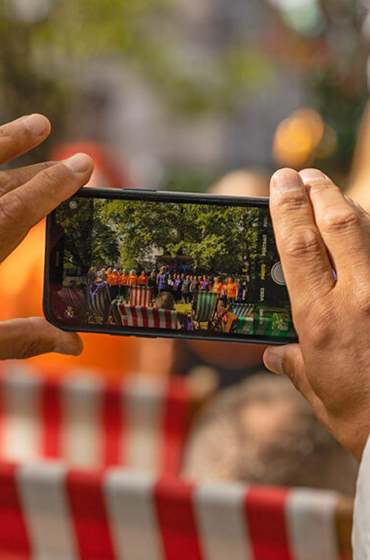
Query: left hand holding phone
x,y
26,196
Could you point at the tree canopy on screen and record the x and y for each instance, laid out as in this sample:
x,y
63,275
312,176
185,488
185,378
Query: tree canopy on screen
x,y
218,239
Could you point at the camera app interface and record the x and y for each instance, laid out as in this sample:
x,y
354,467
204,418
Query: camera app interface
x,y
202,268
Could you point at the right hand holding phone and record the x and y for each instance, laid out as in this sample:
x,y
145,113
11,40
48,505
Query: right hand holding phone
x,y
26,196
317,230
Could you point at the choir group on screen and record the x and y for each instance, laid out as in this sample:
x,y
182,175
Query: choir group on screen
x,y
183,287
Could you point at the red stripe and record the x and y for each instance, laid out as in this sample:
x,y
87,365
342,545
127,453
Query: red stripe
x,y
176,422
113,427
90,520
2,411
156,317
125,314
51,419
168,316
14,540
173,501
144,314
134,316
266,523
148,296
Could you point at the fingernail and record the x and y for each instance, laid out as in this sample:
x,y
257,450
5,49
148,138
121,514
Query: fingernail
x,y
286,180
36,124
310,174
79,163
273,361
69,347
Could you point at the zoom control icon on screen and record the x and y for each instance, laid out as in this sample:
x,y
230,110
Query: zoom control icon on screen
x,y
277,274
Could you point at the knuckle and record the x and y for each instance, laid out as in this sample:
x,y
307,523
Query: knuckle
x,y
11,208
362,299
303,243
293,200
5,133
314,321
342,221
31,349
50,177
5,183
33,343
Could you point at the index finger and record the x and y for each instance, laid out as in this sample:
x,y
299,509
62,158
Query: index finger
x,y
22,208
305,260
342,226
21,135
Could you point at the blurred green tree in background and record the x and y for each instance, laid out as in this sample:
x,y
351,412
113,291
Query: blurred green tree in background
x,y
44,45
329,40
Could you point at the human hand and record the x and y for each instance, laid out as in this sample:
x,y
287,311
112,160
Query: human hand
x,y
26,196
318,229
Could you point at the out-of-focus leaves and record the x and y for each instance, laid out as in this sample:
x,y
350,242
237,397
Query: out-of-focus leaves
x,y
41,61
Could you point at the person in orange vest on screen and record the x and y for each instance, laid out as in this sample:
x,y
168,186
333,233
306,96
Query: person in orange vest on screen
x,y
113,283
231,290
143,279
133,279
217,287
123,282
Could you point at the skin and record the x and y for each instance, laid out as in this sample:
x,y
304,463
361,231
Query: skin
x,y
317,229
26,196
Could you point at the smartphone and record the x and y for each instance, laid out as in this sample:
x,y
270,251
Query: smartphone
x,y
160,264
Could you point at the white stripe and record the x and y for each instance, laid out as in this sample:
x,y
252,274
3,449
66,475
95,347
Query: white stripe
x,y
162,318
174,319
140,322
127,315
219,511
82,429
310,517
132,515
45,507
21,416
143,408
150,317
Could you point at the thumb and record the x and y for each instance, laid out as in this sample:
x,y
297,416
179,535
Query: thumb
x,y
25,338
288,360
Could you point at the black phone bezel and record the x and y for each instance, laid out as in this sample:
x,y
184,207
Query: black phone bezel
x,y
151,195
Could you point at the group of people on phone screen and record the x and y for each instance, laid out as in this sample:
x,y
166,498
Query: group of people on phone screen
x,y
183,286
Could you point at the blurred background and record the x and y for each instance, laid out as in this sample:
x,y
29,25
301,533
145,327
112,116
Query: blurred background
x,y
176,94
186,90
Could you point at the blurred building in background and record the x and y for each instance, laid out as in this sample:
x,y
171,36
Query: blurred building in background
x,y
121,104
186,90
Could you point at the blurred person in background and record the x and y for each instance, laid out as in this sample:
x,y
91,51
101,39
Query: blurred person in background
x,y
270,436
21,294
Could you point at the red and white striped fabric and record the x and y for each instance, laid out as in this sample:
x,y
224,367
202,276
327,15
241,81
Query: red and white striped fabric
x,y
141,295
141,424
48,512
149,317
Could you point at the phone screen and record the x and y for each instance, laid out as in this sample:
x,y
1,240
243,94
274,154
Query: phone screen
x,y
166,265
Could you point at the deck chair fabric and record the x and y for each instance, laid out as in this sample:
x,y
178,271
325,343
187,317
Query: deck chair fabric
x,y
241,319
87,424
99,300
205,307
141,296
242,309
48,511
149,317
